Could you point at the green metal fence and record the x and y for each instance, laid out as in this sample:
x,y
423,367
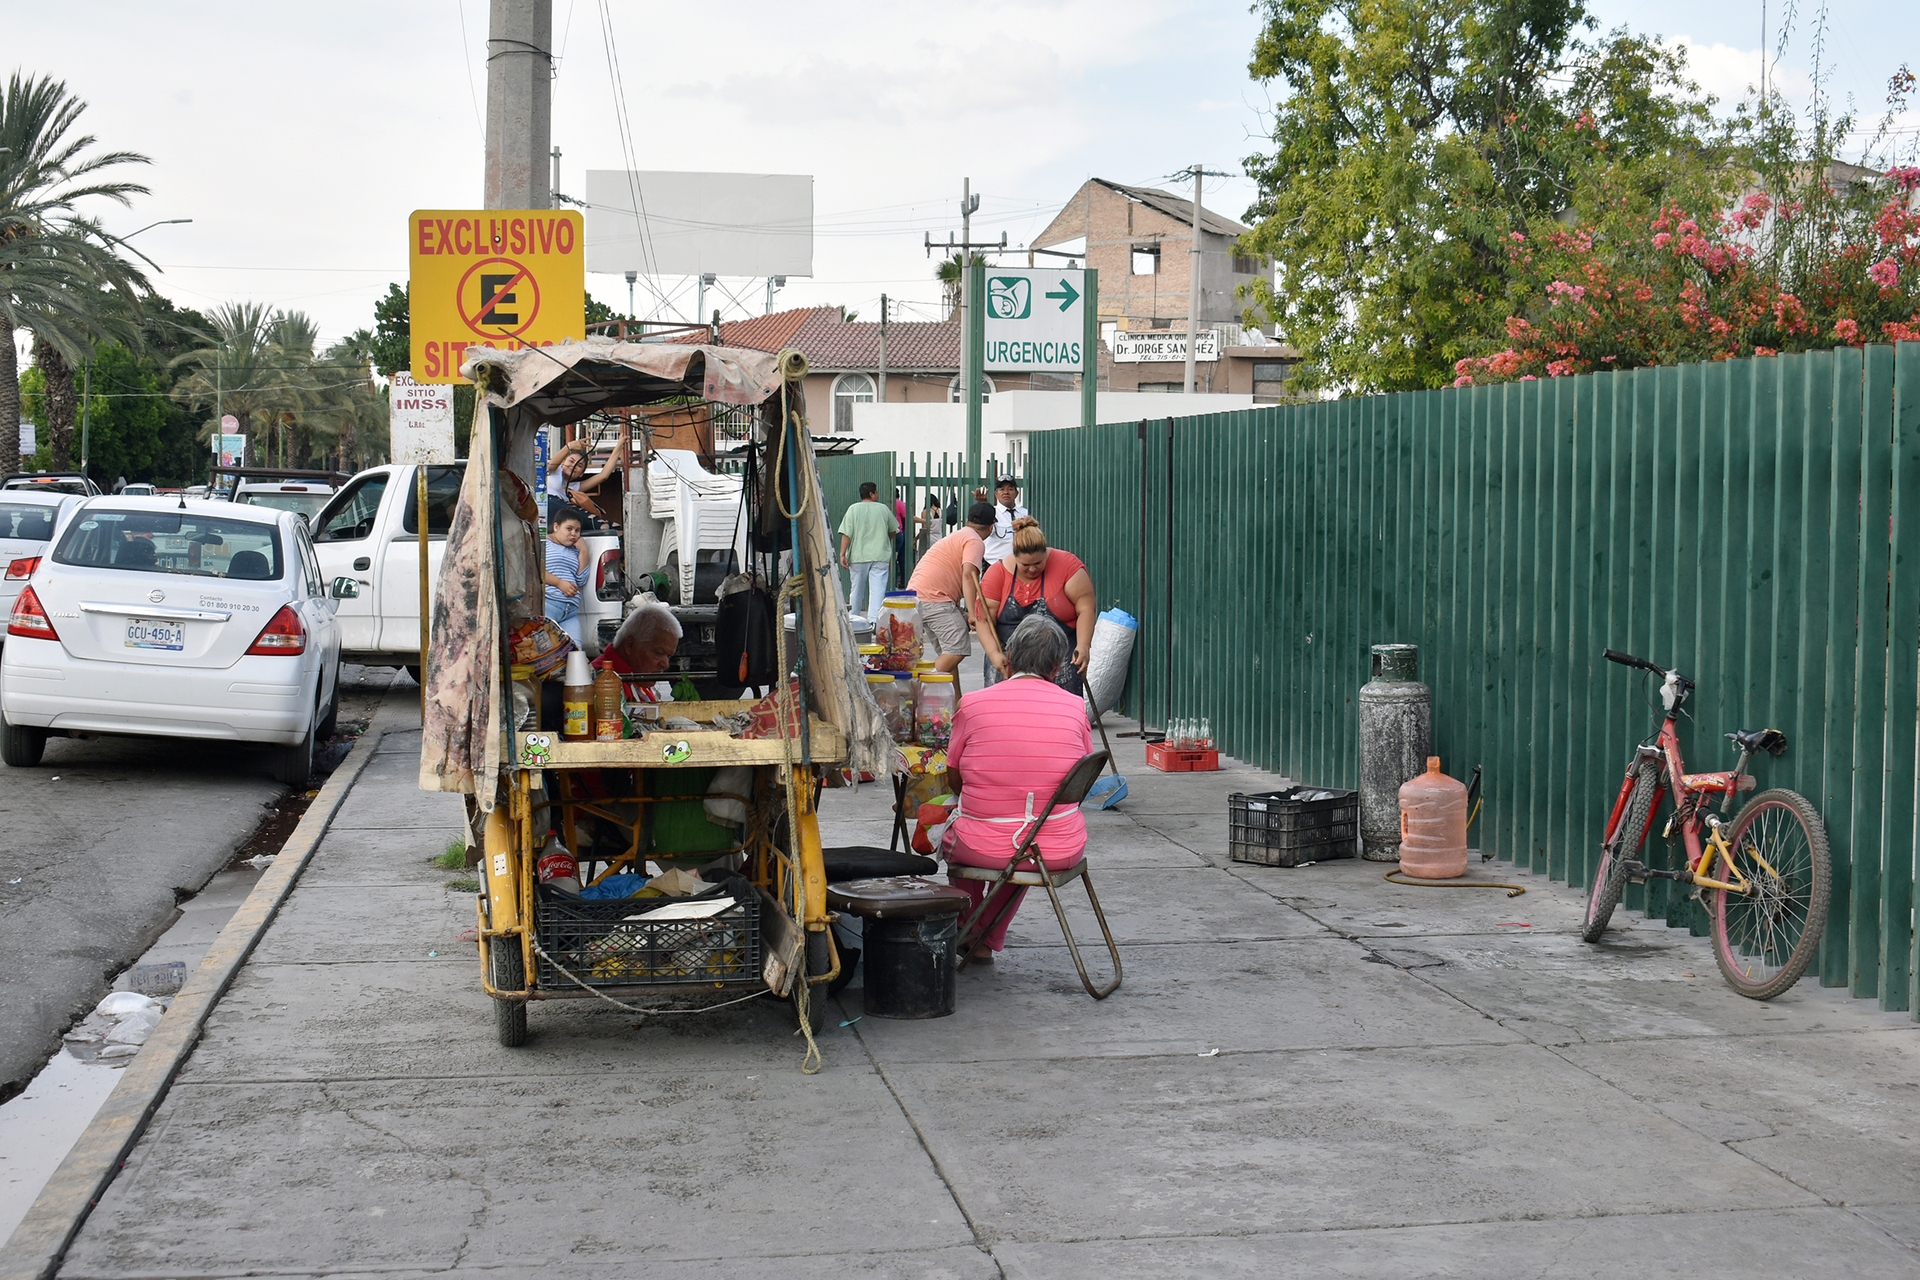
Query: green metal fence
x,y
1755,523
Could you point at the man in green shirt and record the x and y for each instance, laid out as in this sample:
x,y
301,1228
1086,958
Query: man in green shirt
x,y
866,546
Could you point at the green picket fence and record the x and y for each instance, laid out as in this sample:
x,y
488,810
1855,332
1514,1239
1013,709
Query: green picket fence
x,y
1755,523
914,477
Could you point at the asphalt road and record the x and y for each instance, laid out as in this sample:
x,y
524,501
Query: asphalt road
x,y
97,848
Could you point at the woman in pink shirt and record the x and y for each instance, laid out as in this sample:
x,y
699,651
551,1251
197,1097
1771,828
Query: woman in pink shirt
x,y
1012,744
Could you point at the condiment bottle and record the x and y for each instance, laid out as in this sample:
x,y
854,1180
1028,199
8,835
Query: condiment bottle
x,y
606,707
576,700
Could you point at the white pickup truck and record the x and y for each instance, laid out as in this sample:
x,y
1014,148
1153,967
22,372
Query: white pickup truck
x,y
369,531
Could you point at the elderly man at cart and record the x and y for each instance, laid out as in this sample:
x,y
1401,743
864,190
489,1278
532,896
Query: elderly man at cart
x,y
641,649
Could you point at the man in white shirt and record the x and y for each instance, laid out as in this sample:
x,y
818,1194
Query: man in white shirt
x,y
1006,509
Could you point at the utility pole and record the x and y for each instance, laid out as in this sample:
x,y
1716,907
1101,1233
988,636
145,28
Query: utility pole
x,y
1199,172
882,396
970,351
631,277
519,104
700,297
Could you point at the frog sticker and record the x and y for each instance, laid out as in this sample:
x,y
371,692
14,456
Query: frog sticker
x,y
675,752
536,750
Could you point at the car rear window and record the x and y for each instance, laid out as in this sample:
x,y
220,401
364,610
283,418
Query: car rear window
x,y
304,504
173,542
27,520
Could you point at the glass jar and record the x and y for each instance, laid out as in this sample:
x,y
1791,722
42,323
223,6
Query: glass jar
x,y
899,632
933,710
891,697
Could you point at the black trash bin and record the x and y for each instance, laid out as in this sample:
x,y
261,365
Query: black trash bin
x,y
910,936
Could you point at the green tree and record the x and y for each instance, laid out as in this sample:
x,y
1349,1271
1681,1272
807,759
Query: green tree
x,y
392,331
257,365
62,277
1415,139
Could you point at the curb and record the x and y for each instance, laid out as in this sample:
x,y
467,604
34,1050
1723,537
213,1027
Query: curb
x,y
40,1242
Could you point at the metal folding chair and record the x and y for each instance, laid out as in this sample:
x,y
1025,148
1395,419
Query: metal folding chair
x,y
1072,790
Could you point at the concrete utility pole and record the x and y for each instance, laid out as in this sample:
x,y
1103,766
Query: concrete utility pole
x,y
519,104
881,398
1193,283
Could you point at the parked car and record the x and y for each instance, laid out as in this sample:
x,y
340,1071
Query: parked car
x,y
51,482
140,490
28,521
157,617
304,498
370,532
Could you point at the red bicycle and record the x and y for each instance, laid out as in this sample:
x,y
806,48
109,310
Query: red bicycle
x,y
1763,877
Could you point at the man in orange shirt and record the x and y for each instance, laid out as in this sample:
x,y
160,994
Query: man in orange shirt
x,y
947,582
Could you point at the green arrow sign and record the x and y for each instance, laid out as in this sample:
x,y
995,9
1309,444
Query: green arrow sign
x,y
1066,293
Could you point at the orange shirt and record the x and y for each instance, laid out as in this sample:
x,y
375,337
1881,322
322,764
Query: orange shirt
x,y
937,576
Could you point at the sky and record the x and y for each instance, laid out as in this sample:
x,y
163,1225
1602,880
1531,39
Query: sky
x,y
298,140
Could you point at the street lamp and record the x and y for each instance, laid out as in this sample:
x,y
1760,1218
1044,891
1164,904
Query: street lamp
x,y
86,391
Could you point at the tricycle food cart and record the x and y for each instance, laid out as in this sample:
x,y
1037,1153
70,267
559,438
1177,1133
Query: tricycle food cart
x,y
764,927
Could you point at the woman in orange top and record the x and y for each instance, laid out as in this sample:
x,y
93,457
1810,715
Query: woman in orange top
x,y
1038,580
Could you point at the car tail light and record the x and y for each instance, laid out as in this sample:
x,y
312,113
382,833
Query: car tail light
x,y
609,579
21,570
286,634
29,619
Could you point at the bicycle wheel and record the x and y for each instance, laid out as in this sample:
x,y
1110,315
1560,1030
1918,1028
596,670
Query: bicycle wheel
x,y
1621,844
1765,938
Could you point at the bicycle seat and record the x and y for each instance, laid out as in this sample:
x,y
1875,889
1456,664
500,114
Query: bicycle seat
x,y
1754,741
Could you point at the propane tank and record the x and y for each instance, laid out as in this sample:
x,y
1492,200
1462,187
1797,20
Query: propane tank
x,y
1433,825
1396,732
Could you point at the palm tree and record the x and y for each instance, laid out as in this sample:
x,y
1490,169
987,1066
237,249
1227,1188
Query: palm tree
x,y
951,273
257,366
354,407
62,276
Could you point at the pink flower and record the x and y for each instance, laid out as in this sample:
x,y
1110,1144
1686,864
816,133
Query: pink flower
x,y
1662,240
1560,368
1528,378
1464,380
1885,273
1846,330
1905,178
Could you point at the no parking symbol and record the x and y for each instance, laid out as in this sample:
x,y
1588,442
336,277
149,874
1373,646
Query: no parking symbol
x,y
502,278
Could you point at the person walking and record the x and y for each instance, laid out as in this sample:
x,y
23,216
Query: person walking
x,y
1037,581
947,583
866,537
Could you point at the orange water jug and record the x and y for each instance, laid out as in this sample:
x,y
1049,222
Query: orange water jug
x,y
1433,825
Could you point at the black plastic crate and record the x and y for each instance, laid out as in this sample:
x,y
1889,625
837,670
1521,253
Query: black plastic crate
x,y
596,940
1277,829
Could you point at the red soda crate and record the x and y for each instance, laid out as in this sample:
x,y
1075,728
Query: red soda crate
x,y
1170,760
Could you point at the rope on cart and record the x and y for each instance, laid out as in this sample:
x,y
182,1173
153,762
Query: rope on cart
x,y
645,1013
802,993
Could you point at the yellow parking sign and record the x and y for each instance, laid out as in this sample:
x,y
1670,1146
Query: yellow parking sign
x,y
505,278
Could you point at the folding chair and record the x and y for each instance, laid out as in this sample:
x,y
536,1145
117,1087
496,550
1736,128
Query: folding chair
x,y
1072,790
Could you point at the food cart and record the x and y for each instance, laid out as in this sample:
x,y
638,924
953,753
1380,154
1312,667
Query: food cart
x,y
764,928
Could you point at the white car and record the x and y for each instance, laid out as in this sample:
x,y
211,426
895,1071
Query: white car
x,y
302,497
28,522
169,618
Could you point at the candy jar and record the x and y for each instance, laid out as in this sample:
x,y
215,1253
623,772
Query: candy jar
x,y
899,631
933,714
890,697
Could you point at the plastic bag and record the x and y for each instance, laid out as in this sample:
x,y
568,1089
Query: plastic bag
x,y
1108,656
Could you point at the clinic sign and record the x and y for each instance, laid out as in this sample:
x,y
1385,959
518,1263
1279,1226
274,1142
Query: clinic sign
x,y
1163,346
1034,319
422,417
504,278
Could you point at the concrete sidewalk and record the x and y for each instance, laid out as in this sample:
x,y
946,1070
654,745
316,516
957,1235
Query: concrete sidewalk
x,y
1307,1072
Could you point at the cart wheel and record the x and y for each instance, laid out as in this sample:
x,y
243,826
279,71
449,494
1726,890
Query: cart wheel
x,y
509,974
819,960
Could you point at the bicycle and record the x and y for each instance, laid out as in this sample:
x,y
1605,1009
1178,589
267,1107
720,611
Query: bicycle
x,y
1763,878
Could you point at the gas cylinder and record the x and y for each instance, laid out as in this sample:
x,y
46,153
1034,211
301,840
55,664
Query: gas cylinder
x,y
1433,825
1396,732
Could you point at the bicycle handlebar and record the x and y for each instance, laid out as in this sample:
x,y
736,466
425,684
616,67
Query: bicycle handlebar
x,y
1628,660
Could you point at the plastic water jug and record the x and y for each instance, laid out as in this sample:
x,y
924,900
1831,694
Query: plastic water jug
x,y
1433,825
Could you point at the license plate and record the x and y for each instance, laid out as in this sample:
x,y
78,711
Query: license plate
x,y
142,634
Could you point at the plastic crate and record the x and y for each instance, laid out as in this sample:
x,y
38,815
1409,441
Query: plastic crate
x,y
1274,829
1170,760
596,940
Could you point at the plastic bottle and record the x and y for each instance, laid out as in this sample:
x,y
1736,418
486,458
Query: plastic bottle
x,y
893,698
576,700
606,707
1433,825
899,631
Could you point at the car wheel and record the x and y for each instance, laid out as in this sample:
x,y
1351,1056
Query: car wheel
x,y
294,765
330,723
21,745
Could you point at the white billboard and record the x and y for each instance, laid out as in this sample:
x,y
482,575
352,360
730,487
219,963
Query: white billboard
x,y
422,420
661,223
1164,346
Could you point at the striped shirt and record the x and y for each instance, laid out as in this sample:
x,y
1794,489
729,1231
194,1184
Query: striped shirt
x,y
565,564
